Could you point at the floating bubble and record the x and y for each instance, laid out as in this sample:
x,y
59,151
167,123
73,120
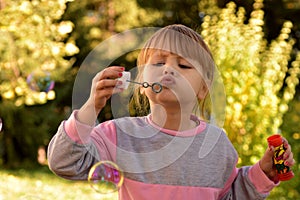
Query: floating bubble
x,y
40,82
105,177
1,124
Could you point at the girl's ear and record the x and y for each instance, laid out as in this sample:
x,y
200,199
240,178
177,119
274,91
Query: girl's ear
x,y
203,90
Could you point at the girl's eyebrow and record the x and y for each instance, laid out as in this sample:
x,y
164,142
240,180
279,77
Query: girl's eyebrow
x,y
159,54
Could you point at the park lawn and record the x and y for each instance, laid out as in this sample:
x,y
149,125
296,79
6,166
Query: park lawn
x,y
41,184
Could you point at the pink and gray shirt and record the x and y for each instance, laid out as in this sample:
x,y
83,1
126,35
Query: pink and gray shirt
x,y
158,163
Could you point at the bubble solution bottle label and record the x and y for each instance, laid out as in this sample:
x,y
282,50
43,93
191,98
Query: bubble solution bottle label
x,y
283,171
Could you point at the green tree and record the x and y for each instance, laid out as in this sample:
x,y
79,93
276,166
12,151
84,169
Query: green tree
x,y
33,51
32,43
259,77
290,128
97,20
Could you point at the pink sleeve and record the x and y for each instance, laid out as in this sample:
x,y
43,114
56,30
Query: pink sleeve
x,y
105,139
103,135
259,179
77,131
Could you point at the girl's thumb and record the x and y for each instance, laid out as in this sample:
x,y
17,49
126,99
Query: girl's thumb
x,y
270,152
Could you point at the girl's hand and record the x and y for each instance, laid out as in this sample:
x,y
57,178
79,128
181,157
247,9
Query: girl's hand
x,y
266,163
103,87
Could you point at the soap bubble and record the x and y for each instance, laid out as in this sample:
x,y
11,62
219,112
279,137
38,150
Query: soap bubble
x,y
105,177
1,124
40,82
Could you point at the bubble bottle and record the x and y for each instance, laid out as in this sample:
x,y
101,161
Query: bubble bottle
x,y
284,172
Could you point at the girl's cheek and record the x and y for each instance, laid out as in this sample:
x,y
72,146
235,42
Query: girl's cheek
x,y
152,74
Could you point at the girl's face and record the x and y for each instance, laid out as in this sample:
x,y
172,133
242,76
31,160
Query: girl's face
x,y
182,82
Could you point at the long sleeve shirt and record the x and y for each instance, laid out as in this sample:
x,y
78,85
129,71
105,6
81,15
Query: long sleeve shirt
x,y
158,163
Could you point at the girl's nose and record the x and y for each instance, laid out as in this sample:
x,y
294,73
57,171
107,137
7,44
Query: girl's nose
x,y
169,70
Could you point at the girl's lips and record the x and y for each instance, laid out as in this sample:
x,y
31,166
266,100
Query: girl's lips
x,y
167,81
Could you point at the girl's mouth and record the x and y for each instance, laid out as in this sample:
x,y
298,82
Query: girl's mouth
x,y
167,81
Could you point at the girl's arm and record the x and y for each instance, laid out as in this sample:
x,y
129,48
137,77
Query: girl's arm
x,y
248,182
72,151
257,181
76,147
70,155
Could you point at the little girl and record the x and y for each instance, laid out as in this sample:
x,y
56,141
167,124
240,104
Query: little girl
x,y
170,154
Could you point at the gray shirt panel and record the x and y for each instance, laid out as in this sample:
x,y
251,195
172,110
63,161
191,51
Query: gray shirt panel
x,y
173,160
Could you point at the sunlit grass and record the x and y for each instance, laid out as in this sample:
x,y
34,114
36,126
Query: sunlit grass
x,y
41,184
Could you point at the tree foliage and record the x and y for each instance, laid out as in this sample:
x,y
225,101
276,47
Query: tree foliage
x,y
97,20
260,78
32,43
253,73
33,51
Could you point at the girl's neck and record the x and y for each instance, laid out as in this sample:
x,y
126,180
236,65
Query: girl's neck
x,y
172,119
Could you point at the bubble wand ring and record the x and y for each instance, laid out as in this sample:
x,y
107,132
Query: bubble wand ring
x,y
156,87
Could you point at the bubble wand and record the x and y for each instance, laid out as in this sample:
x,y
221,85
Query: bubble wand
x,y
156,87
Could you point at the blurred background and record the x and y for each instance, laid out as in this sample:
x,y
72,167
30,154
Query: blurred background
x,y
43,43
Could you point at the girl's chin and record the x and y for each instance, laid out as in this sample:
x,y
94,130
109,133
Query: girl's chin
x,y
165,97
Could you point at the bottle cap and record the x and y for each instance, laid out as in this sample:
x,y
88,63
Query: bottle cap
x,y
275,140
125,78
286,176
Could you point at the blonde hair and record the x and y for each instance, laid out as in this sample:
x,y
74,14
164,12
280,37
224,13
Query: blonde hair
x,y
184,42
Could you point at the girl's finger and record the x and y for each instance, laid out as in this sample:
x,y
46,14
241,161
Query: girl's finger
x,y
286,143
290,160
106,83
287,152
112,72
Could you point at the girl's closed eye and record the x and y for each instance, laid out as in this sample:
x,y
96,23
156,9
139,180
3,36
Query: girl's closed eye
x,y
159,64
183,66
